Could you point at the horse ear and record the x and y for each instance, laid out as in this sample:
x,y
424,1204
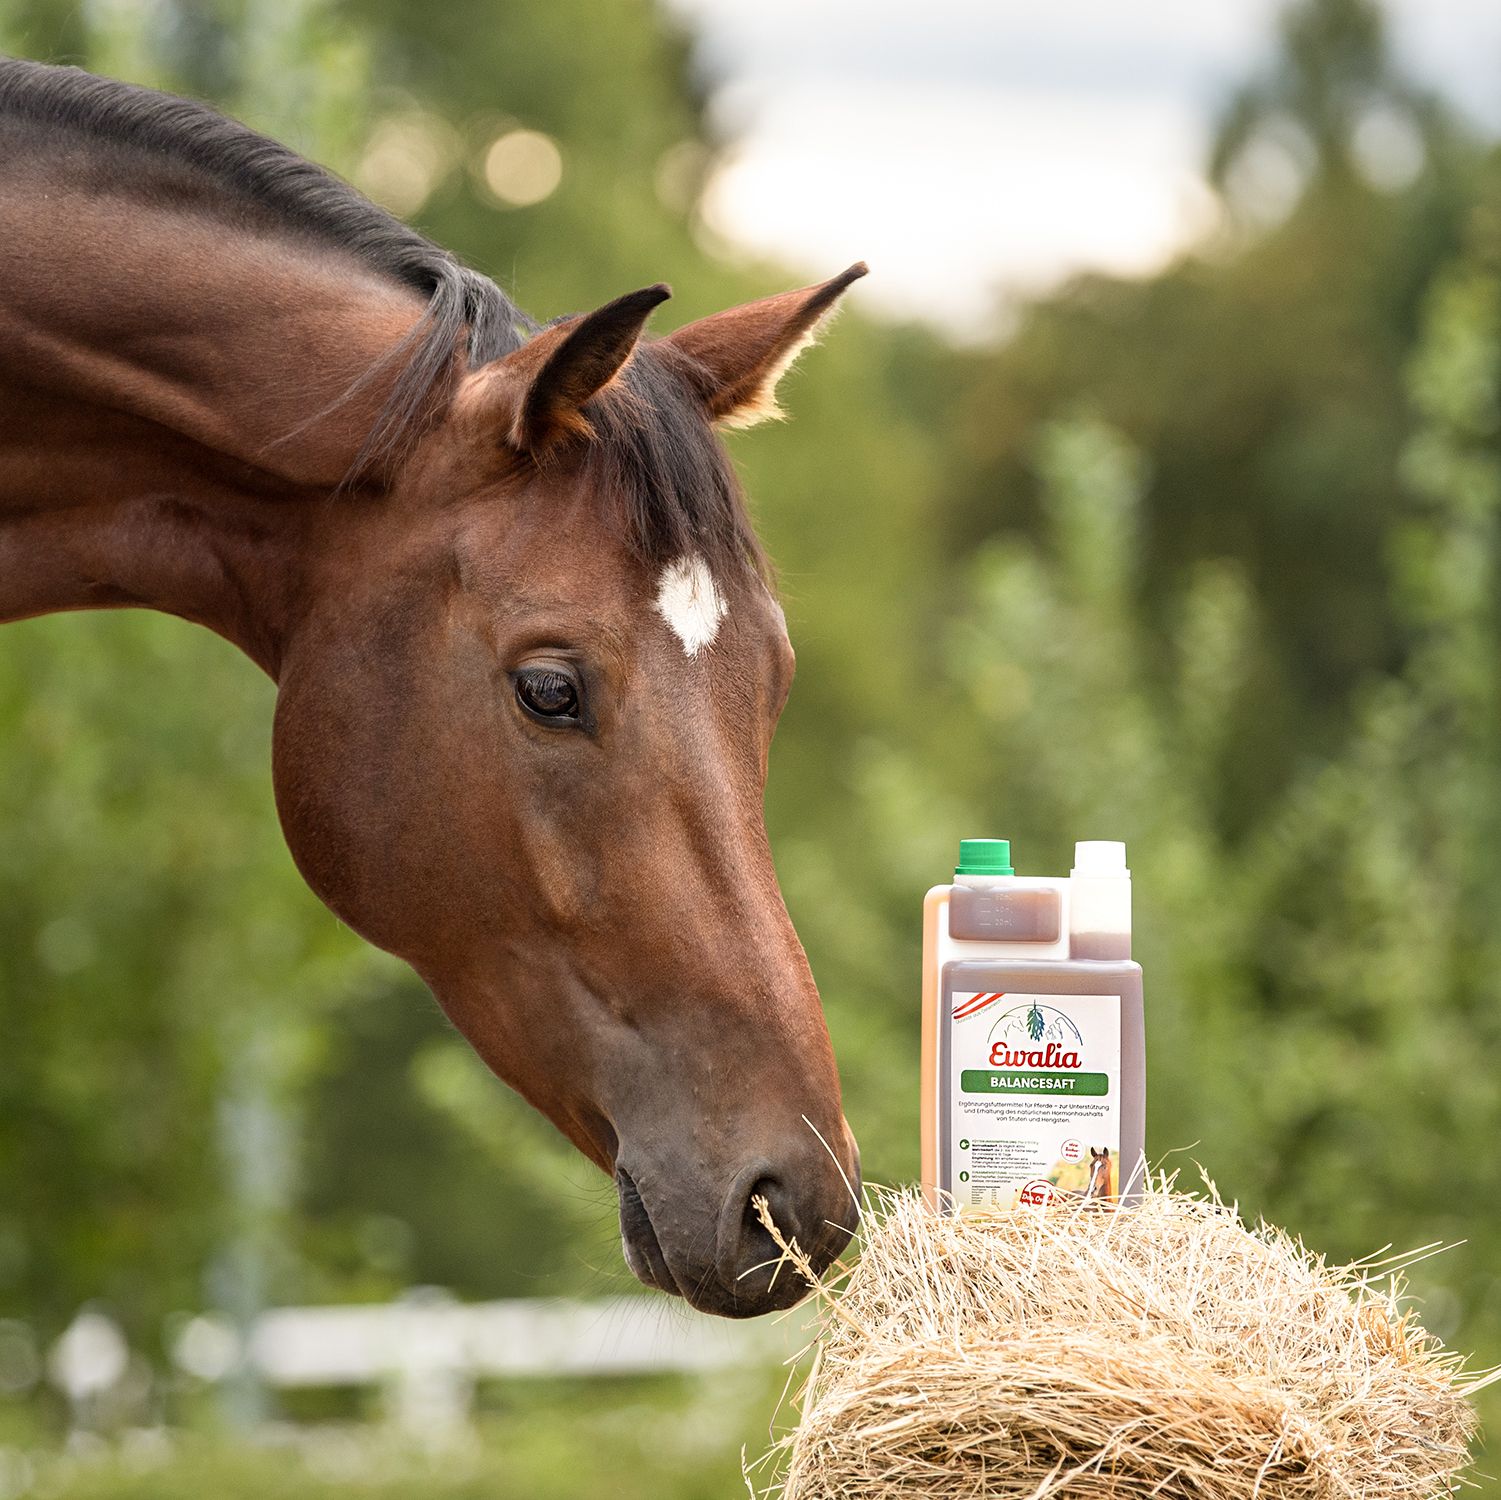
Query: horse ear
x,y
735,358
535,397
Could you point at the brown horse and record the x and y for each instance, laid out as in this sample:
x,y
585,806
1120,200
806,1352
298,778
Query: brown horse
x,y
528,661
1101,1175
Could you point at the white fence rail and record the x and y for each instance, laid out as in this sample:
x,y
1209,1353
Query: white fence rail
x,y
426,1350
427,1353
331,1346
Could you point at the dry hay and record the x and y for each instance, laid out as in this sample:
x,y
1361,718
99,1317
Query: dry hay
x,y
1162,1351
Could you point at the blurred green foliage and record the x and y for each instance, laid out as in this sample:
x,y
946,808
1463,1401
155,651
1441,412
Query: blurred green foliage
x,y
1207,561
659,1439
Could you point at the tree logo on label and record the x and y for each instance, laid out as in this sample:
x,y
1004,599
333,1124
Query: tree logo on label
x,y
1026,1027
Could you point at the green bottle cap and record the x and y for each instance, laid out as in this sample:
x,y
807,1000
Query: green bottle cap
x,y
984,857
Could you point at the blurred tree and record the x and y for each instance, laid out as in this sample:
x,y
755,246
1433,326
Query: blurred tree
x,y
1334,110
608,89
1261,375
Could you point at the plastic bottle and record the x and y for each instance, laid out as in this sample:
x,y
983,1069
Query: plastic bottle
x,y
1033,1044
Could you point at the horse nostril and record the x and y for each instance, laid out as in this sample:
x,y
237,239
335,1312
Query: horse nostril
x,y
755,1265
821,1225
768,1196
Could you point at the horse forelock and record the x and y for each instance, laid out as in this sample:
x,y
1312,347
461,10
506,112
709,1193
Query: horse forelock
x,y
658,464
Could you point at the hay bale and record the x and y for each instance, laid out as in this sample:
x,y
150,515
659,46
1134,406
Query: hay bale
x,y
1164,1350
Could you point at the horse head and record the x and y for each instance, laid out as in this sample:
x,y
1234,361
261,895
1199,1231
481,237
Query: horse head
x,y
522,741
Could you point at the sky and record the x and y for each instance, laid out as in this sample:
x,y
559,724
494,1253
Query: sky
x,y
977,150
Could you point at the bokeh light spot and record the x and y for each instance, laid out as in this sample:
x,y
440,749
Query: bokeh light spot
x,y
523,167
1389,149
407,156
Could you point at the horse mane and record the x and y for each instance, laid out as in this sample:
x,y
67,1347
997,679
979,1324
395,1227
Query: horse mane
x,y
652,444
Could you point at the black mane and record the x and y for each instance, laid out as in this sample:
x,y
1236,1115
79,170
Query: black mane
x,y
653,443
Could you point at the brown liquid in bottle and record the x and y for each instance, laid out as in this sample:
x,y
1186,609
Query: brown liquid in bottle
x,y
1100,945
1021,916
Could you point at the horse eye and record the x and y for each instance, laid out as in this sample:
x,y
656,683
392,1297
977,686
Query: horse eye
x,y
548,694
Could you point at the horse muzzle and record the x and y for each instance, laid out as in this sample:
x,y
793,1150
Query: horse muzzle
x,y
725,1261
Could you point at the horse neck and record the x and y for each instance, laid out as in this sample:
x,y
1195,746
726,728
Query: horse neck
x,y
172,432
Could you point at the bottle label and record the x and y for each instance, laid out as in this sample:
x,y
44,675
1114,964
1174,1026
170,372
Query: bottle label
x,y
1034,1100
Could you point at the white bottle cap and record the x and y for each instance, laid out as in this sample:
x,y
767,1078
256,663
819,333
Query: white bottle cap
x,y
1100,857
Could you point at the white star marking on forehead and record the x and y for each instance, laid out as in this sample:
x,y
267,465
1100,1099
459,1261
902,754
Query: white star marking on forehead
x,y
689,601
